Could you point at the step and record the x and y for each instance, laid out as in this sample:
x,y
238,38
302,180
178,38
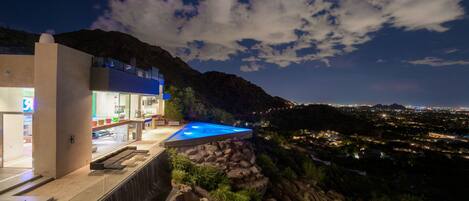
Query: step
x,y
25,198
17,181
29,186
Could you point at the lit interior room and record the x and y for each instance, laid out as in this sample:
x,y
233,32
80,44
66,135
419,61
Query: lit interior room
x,y
110,112
151,107
16,109
117,116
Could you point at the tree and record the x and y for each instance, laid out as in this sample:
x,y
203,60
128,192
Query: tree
x,y
173,111
185,104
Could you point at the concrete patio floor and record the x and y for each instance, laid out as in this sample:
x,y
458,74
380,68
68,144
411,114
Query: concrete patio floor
x,y
84,184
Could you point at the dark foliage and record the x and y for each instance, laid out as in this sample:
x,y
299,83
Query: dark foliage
x,y
317,117
17,42
237,95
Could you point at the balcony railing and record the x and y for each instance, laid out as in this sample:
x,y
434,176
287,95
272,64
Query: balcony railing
x,y
104,62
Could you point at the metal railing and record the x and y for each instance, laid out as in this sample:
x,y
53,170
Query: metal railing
x,y
104,62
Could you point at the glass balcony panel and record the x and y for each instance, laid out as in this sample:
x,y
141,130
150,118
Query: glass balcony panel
x,y
104,62
129,68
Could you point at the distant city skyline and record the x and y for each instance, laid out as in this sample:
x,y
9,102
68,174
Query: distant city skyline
x,y
464,108
410,52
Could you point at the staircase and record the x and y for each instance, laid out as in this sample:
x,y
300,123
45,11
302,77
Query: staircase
x,y
13,188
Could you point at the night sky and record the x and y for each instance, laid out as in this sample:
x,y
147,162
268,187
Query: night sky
x,y
330,51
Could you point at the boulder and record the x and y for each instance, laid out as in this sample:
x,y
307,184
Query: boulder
x,y
237,173
202,192
204,153
228,151
200,147
246,151
300,185
221,159
238,143
253,159
210,158
190,196
191,151
223,144
233,165
245,164
335,196
254,170
236,157
218,153
211,148
197,158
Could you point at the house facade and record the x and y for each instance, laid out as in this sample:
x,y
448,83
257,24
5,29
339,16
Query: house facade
x,y
61,108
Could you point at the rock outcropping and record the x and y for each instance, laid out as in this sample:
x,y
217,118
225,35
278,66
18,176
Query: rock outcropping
x,y
235,157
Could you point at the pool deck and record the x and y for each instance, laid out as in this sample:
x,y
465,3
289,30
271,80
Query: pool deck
x,y
84,184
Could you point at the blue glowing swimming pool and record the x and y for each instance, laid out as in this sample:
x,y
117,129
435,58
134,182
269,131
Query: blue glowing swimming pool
x,y
199,133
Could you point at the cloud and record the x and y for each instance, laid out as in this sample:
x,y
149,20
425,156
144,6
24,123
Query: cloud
x,y
438,62
422,14
251,67
450,51
380,61
250,59
326,62
96,6
214,29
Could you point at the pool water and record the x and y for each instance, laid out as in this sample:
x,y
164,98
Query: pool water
x,y
195,130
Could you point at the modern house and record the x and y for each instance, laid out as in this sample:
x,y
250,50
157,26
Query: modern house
x,y
67,117
61,107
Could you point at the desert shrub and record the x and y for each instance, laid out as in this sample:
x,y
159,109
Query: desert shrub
x,y
311,171
267,165
208,177
179,162
380,197
186,172
408,197
224,193
289,173
179,176
252,194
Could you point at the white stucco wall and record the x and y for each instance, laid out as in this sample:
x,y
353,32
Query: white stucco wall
x,y
63,110
11,99
16,70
